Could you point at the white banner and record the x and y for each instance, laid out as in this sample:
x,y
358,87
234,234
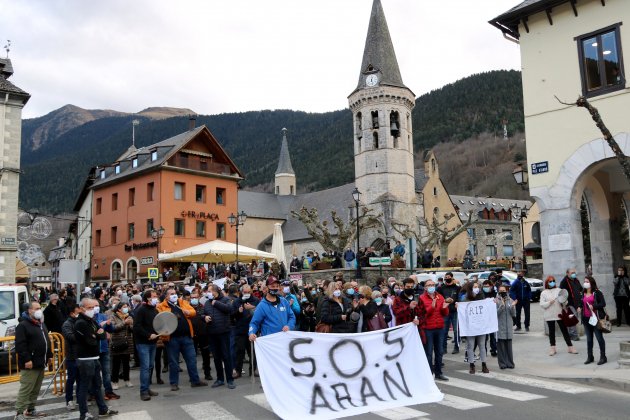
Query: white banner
x,y
477,318
327,376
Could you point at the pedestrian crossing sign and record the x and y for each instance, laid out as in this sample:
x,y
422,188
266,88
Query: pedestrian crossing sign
x,y
153,273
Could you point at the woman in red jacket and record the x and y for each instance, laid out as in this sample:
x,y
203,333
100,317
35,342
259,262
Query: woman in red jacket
x,y
436,309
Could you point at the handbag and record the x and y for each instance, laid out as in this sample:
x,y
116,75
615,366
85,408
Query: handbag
x,y
593,319
119,346
568,318
604,324
377,322
322,327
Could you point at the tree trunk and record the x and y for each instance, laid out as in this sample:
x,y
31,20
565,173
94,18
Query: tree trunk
x,y
444,252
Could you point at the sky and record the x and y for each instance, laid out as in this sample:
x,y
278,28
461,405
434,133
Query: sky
x,y
238,55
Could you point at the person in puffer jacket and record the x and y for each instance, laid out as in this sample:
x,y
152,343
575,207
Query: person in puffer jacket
x,y
436,309
218,310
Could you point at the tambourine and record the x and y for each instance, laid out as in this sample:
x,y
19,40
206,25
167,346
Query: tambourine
x,y
165,323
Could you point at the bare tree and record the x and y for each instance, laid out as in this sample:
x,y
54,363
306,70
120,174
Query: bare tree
x,y
340,239
582,102
434,233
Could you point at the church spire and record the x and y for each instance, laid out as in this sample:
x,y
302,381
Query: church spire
x,y
285,176
379,56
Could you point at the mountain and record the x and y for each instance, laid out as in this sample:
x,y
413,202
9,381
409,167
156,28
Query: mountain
x,y
41,130
320,144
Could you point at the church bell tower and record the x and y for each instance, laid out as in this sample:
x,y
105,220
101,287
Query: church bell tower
x,y
381,107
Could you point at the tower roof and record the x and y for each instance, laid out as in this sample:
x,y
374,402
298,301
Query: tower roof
x,y
379,54
284,163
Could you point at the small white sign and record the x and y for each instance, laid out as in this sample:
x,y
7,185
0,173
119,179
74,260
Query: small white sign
x,y
561,242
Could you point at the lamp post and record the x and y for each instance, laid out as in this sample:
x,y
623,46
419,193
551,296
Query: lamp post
x,y
521,177
156,234
356,195
236,221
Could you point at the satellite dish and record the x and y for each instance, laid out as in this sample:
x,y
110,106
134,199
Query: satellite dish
x,y
165,323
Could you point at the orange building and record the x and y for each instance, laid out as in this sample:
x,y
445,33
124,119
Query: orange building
x,y
186,185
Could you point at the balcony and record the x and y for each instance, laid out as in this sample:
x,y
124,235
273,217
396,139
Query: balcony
x,y
198,163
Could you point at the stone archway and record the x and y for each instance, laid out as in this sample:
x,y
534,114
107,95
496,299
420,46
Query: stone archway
x,y
593,173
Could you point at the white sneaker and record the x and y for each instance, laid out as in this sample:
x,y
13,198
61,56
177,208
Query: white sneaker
x,y
70,405
128,384
114,385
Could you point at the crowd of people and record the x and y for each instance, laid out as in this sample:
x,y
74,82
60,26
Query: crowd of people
x,y
109,330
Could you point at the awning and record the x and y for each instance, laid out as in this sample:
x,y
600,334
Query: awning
x,y
216,251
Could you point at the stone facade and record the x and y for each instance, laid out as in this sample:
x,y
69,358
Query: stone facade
x,y
12,100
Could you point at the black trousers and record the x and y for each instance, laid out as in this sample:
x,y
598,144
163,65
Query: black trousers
x,y
117,361
563,330
220,344
202,343
525,306
243,346
622,306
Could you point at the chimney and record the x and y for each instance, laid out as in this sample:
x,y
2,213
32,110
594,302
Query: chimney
x,y
192,121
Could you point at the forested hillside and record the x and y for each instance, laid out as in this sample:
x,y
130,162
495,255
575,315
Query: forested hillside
x,y
320,143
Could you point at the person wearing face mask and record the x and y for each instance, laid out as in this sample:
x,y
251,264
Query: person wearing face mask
x,y
145,338
506,311
180,340
382,306
551,310
200,339
33,349
388,301
218,310
70,346
89,335
273,314
521,292
121,344
245,306
406,308
337,310
287,293
489,291
450,291
594,303
436,309
473,293
572,284
621,293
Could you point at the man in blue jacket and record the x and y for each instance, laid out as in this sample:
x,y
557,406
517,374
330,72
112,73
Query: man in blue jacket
x,y
273,314
521,293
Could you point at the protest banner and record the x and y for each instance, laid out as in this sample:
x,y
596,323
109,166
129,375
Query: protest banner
x,y
326,376
478,317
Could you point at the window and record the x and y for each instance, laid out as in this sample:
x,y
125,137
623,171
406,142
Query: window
x,y
472,233
491,250
200,193
102,173
132,197
394,124
97,237
149,226
374,119
277,190
220,230
359,125
132,270
490,231
134,163
507,234
179,227
114,235
601,64
508,251
150,191
179,190
375,140
201,229
114,201
99,205
116,270
221,195
434,191
117,169
132,231
292,188
154,156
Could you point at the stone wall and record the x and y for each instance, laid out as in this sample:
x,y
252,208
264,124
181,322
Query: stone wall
x,y
370,274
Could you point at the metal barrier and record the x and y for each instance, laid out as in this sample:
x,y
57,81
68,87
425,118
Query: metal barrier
x,y
57,370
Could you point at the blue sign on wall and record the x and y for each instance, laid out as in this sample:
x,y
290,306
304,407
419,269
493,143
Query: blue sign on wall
x,y
540,168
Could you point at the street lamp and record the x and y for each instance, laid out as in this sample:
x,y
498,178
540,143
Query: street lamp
x,y
521,213
356,195
236,221
156,235
520,176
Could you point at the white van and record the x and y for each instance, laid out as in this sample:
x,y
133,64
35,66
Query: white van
x,y
12,297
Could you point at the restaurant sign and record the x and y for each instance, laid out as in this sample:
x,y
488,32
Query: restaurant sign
x,y
200,215
145,245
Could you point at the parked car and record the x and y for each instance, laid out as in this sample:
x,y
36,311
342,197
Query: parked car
x,y
12,297
508,278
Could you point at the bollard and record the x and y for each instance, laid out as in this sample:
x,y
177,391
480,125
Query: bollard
x,y
624,354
